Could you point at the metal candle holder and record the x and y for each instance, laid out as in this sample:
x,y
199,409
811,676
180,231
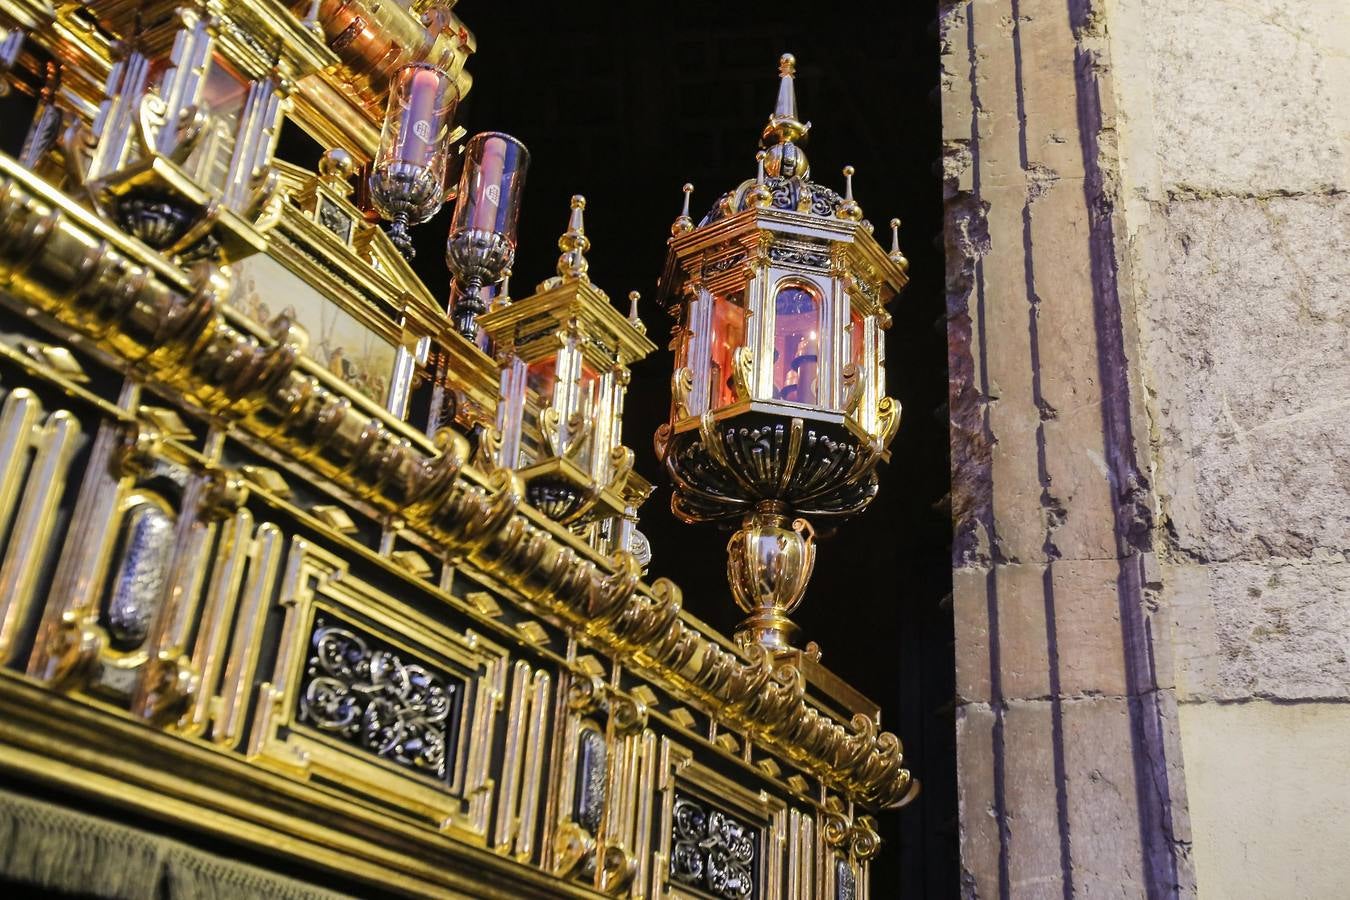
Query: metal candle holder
x,y
482,241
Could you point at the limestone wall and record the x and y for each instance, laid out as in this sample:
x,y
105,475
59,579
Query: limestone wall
x,y
1148,289
1235,161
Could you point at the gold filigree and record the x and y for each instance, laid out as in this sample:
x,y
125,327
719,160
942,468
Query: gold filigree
x,y
681,385
743,373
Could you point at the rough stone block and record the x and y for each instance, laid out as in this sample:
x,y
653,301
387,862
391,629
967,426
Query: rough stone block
x,y
975,801
1024,656
970,609
1103,809
1278,629
1090,650
1034,865
1022,650
995,92
1249,98
1247,336
1051,111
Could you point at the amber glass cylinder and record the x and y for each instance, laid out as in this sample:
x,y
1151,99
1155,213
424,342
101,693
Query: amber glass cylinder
x,y
490,186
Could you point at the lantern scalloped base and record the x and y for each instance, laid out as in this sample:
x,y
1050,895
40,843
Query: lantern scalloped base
x,y
558,499
723,468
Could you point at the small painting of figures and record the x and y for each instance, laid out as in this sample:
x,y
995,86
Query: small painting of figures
x,y
264,289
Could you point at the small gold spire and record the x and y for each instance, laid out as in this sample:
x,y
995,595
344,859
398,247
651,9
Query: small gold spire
x,y
849,209
759,195
574,244
683,224
896,256
633,318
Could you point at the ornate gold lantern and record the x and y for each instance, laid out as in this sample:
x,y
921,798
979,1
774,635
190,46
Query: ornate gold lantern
x,y
564,354
779,412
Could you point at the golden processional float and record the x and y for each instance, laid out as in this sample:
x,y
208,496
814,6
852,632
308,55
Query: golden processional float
x,y
295,557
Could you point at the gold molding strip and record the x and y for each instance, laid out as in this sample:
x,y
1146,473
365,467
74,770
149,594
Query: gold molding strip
x,y
209,653
265,560
534,767
53,443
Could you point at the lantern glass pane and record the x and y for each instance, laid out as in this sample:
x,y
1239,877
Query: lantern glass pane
x,y
588,405
728,327
223,96
539,380
857,332
796,344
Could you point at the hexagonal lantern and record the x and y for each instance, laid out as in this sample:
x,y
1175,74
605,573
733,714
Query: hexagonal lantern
x,y
779,409
564,354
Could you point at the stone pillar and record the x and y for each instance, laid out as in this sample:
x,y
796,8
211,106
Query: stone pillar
x,y
1066,726
1147,319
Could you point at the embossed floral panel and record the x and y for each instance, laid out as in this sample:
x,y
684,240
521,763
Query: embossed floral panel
x,y
712,851
380,700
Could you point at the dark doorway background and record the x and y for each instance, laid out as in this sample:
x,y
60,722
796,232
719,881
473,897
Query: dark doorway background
x,y
624,103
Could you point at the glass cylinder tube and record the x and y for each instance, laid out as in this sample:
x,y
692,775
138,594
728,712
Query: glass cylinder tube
x,y
407,181
482,241
491,184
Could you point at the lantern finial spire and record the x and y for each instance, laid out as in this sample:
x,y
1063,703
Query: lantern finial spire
x,y
849,208
503,296
896,256
760,196
633,318
785,130
573,264
786,107
683,224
